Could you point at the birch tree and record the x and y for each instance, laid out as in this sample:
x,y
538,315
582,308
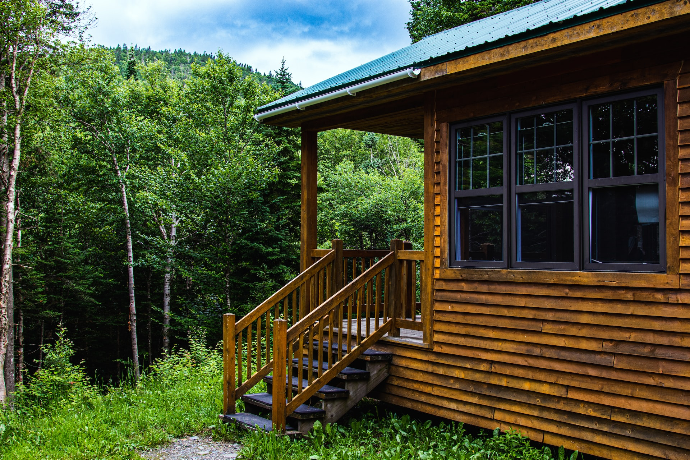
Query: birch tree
x,y
97,99
29,32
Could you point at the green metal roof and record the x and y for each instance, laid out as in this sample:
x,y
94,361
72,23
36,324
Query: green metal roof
x,y
529,21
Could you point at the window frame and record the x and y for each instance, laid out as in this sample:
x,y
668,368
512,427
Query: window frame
x,y
581,188
647,179
458,194
515,189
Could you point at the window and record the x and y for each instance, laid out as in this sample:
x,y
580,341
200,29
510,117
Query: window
x,y
576,186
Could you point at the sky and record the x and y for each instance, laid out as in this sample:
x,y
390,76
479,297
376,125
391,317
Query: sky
x,y
318,39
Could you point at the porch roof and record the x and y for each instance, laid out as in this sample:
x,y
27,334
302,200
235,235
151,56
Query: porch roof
x,y
530,21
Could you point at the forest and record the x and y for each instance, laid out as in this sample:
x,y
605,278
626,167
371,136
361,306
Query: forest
x,y
148,201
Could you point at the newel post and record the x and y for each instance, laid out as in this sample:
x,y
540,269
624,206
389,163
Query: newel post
x,y
229,367
395,286
337,246
279,374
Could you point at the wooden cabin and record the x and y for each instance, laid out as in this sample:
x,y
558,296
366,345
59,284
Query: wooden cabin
x,y
553,292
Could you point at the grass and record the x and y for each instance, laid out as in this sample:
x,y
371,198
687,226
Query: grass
x,y
60,415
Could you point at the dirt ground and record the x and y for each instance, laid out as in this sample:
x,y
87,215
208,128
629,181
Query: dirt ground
x,y
194,448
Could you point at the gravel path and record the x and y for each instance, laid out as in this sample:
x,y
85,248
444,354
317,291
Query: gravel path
x,y
194,448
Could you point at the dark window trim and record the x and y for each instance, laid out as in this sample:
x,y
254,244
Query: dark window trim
x,y
455,194
581,187
573,185
658,178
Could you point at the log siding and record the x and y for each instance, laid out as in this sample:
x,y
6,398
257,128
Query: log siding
x,y
598,362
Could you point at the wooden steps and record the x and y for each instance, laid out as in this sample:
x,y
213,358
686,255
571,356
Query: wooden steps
x,y
329,403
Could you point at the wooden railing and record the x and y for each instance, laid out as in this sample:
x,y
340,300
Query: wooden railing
x,y
326,337
247,344
345,301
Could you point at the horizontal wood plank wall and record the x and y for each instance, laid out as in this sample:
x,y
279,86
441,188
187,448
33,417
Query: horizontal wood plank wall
x,y
592,361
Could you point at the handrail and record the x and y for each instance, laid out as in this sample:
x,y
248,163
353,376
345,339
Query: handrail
x,y
367,290
341,295
245,367
285,290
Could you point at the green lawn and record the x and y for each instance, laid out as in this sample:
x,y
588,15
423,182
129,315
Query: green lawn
x,y
60,415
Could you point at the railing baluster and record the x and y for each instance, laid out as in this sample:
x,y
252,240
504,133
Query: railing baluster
x,y
300,362
288,379
249,350
339,338
368,314
310,354
386,297
239,346
360,298
320,349
268,336
349,322
377,301
322,279
330,339
295,308
259,350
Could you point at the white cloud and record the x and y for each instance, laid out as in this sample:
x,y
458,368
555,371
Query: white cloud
x,y
318,38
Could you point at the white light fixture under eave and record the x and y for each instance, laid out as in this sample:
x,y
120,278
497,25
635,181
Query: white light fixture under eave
x,y
348,91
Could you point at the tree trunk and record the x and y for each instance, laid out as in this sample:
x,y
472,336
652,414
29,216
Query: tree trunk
x,y
148,322
130,271
167,280
8,245
20,351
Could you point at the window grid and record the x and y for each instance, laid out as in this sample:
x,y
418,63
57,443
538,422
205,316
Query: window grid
x,y
581,186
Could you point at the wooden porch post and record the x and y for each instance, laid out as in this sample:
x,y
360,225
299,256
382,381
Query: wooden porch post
x,y
279,374
308,217
229,370
427,269
395,287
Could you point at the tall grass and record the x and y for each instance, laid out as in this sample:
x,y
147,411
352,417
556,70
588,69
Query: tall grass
x,y
60,415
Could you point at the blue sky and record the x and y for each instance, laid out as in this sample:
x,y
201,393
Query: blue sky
x,y
318,39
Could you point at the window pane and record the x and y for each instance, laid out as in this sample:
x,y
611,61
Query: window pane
x,y
526,138
623,118
623,157
564,164
600,160
473,166
647,115
480,135
479,170
600,122
633,124
496,171
496,137
625,224
545,136
463,180
545,231
564,132
480,228
545,161
545,166
525,168
464,143
647,155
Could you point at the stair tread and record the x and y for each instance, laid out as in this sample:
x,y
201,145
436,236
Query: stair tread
x,y
326,391
252,421
265,400
368,354
346,373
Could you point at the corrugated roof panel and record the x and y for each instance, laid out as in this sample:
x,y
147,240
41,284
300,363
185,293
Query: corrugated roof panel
x,y
535,19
